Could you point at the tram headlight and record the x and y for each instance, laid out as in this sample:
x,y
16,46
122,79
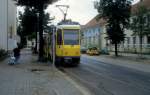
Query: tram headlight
x,y
66,53
77,53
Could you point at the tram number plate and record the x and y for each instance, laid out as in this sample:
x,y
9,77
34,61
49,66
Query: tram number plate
x,y
67,58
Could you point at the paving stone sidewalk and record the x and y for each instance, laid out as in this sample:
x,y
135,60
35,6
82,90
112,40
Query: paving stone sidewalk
x,y
128,60
32,78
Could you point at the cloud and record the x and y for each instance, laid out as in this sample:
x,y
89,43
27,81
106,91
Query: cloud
x,y
80,10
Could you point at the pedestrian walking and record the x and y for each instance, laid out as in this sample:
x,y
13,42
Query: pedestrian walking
x,y
16,54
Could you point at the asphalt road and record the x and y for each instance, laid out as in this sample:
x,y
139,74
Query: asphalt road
x,y
107,79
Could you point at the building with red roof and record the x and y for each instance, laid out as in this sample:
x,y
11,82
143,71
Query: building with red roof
x,y
92,33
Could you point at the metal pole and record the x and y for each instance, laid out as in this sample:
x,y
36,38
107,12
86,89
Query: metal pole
x,y
37,31
7,25
53,64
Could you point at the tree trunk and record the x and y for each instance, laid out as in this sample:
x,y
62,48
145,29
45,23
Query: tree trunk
x,y
36,40
116,49
41,46
36,30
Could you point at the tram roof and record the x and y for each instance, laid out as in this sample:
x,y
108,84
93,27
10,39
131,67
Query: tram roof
x,y
68,26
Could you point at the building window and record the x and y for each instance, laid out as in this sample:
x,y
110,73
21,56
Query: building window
x,y
148,40
11,32
128,40
94,40
134,20
89,41
99,29
59,37
134,40
143,40
144,19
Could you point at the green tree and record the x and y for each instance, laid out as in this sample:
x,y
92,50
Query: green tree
x,y
139,26
27,25
47,21
28,22
117,14
23,38
40,6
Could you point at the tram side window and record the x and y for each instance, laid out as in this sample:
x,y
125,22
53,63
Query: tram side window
x,y
59,37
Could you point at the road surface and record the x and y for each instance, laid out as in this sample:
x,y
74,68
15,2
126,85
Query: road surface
x,y
108,79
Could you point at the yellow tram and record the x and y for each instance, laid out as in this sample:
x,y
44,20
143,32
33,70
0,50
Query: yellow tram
x,y
67,44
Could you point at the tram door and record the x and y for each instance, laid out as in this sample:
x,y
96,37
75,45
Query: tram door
x,y
59,43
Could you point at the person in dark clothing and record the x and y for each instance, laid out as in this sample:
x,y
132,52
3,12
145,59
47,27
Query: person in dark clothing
x,y
16,54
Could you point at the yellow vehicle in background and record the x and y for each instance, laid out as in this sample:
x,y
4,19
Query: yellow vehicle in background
x,y
93,51
67,44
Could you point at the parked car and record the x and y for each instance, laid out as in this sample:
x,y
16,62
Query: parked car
x,y
93,51
83,50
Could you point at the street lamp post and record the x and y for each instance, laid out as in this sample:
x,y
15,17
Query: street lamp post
x,y
7,25
37,30
53,31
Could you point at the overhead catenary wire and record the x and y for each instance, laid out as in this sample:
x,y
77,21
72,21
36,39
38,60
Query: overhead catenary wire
x,y
63,11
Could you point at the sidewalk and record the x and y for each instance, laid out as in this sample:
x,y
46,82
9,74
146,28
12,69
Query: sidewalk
x,y
127,60
32,78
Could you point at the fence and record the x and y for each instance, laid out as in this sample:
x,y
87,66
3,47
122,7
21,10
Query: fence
x,y
131,48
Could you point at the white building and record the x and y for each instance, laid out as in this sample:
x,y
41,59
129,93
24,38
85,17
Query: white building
x,y
93,34
132,42
8,12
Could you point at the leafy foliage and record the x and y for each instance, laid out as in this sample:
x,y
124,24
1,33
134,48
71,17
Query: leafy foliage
x,y
29,24
38,5
46,22
117,14
35,3
3,54
28,21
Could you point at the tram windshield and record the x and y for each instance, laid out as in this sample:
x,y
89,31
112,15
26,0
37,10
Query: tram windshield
x,y
71,37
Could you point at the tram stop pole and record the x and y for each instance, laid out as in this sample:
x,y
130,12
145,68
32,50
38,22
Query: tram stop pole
x,y
53,37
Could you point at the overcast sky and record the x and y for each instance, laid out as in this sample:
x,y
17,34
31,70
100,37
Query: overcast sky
x,y
81,11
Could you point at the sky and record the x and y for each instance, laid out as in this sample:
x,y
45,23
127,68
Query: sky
x,y
81,11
